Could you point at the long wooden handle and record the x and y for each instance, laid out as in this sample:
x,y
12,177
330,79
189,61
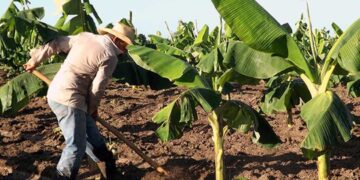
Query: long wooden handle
x,y
41,76
115,132
132,146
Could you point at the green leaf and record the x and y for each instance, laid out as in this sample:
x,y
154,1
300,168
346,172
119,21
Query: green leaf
x,y
89,8
237,116
346,49
329,123
277,99
127,71
283,96
207,98
61,21
90,24
10,11
181,112
253,63
16,93
287,28
241,117
187,109
211,62
169,117
158,39
258,29
177,70
33,14
171,50
253,25
73,26
203,36
353,85
231,75
72,7
337,29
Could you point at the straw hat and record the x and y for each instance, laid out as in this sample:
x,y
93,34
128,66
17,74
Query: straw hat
x,y
123,32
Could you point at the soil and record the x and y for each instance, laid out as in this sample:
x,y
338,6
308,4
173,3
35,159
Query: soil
x,y
30,143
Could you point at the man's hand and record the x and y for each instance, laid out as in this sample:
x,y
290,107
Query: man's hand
x,y
29,66
95,115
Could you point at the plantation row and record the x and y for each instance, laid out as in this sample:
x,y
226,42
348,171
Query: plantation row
x,y
300,67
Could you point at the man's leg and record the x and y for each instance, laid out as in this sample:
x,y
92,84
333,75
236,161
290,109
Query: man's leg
x,y
97,149
72,123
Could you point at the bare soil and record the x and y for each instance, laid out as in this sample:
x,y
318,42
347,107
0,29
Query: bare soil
x,y
30,144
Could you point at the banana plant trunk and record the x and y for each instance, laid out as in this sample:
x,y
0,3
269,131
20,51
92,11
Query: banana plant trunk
x,y
323,161
324,166
218,138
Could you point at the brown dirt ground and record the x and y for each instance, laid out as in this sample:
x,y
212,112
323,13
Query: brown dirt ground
x,y
30,144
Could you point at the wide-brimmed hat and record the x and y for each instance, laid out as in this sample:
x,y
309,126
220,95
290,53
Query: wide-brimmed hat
x,y
122,31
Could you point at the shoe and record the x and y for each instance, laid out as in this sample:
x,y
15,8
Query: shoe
x,y
107,164
109,173
59,176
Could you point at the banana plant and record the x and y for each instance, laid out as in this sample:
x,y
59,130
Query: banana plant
x,y
186,44
21,30
222,113
328,120
81,20
288,90
17,92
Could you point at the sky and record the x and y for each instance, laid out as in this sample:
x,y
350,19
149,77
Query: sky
x,y
149,16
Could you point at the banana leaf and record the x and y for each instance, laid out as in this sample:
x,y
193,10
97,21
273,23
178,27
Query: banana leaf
x,y
353,85
172,68
72,7
244,60
74,25
231,75
337,29
171,50
212,62
158,39
81,20
252,63
346,50
284,96
34,13
203,36
258,29
89,8
181,112
329,125
16,93
127,71
241,117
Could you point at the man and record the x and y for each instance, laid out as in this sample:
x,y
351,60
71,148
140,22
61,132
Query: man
x,y
75,92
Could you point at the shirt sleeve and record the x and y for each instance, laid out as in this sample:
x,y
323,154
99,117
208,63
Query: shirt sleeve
x,y
60,44
101,80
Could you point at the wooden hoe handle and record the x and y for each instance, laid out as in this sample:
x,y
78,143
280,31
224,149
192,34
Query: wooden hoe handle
x,y
132,146
42,77
115,132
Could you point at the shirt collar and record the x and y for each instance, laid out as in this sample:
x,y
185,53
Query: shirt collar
x,y
116,49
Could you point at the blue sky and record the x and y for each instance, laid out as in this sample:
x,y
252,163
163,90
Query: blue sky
x,y
149,15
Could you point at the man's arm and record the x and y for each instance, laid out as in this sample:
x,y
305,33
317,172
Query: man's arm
x,y
38,55
101,80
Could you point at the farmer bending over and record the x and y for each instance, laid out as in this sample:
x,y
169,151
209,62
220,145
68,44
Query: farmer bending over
x,y
75,92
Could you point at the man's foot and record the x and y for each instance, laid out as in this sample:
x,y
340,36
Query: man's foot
x,y
109,172
59,176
